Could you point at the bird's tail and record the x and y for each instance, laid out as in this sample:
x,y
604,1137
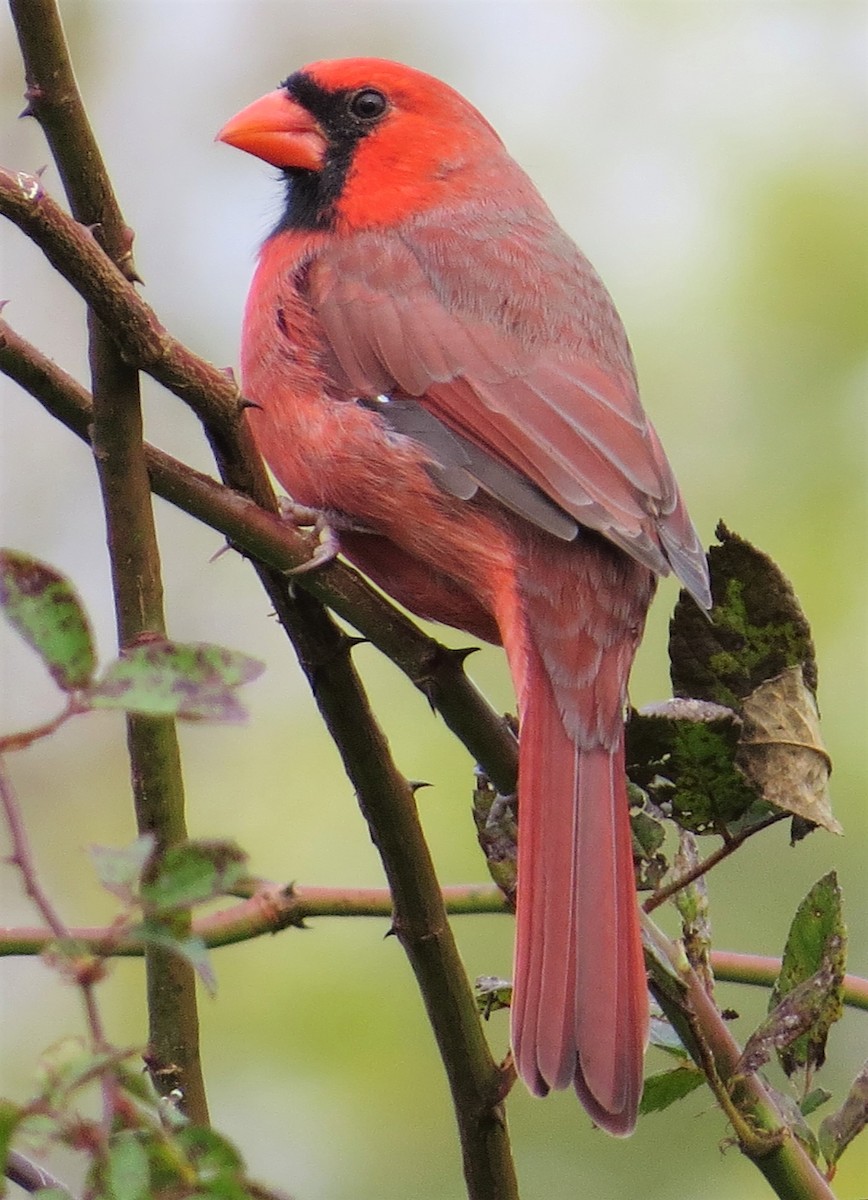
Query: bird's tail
x,y
580,999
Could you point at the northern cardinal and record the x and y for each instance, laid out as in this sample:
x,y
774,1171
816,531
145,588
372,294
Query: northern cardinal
x,y
441,372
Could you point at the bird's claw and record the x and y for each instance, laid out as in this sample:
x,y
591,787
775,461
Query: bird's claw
x,y
327,545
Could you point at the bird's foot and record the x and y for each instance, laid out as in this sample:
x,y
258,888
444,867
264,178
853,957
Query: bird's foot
x,y
325,526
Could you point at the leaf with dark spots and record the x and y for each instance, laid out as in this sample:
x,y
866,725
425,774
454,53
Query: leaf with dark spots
x,y
682,754
838,1130
757,628
192,681
817,942
649,861
496,831
795,1017
781,751
42,605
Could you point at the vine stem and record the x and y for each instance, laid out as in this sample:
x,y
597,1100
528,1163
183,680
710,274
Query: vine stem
x,y
272,907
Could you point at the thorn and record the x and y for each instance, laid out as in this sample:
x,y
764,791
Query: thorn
x,y
40,171
416,785
3,304
243,403
460,653
352,642
426,687
390,932
27,111
224,549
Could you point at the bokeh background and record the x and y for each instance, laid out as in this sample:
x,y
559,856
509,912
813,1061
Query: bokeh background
x,y
711,160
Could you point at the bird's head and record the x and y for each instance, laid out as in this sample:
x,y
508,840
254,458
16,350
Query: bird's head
x,y
364,141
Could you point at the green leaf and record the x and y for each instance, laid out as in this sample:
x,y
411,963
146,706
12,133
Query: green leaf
x,y
796,1019
757,628
815,1099
128,1174
44,608
682,754
665,1088
794,1119
10,1117
138,1085
492,994
838,1130
664,1037
187,946
816,943
193,873
193,681
214,1157
120,870
649,834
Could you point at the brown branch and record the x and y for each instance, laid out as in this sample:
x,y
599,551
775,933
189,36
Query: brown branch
x,y
435,670
116,435
419,918
759,1127
731,844
22,858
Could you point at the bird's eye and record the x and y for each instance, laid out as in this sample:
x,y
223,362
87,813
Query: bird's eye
x,y
368,104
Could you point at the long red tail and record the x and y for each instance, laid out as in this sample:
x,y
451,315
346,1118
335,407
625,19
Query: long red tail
x,y
580,999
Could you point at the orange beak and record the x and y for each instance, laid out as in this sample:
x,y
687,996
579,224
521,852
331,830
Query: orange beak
x,y
278,130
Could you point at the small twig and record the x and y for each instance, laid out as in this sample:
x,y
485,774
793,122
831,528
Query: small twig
x,y
731,844
26,737
22,857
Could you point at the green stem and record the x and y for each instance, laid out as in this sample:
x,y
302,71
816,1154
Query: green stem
x,y
761,1132
116,435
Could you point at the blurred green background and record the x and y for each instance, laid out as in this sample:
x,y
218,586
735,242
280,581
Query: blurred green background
x,y
711,160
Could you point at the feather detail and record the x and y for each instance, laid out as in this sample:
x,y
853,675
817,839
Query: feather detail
x,y
580,1004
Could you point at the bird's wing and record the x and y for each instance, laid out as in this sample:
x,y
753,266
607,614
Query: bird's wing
x,y
515,355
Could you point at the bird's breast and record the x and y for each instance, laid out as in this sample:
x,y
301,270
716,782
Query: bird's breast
x,y
331,450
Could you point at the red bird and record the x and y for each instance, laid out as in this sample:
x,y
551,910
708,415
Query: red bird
x,y
441,372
